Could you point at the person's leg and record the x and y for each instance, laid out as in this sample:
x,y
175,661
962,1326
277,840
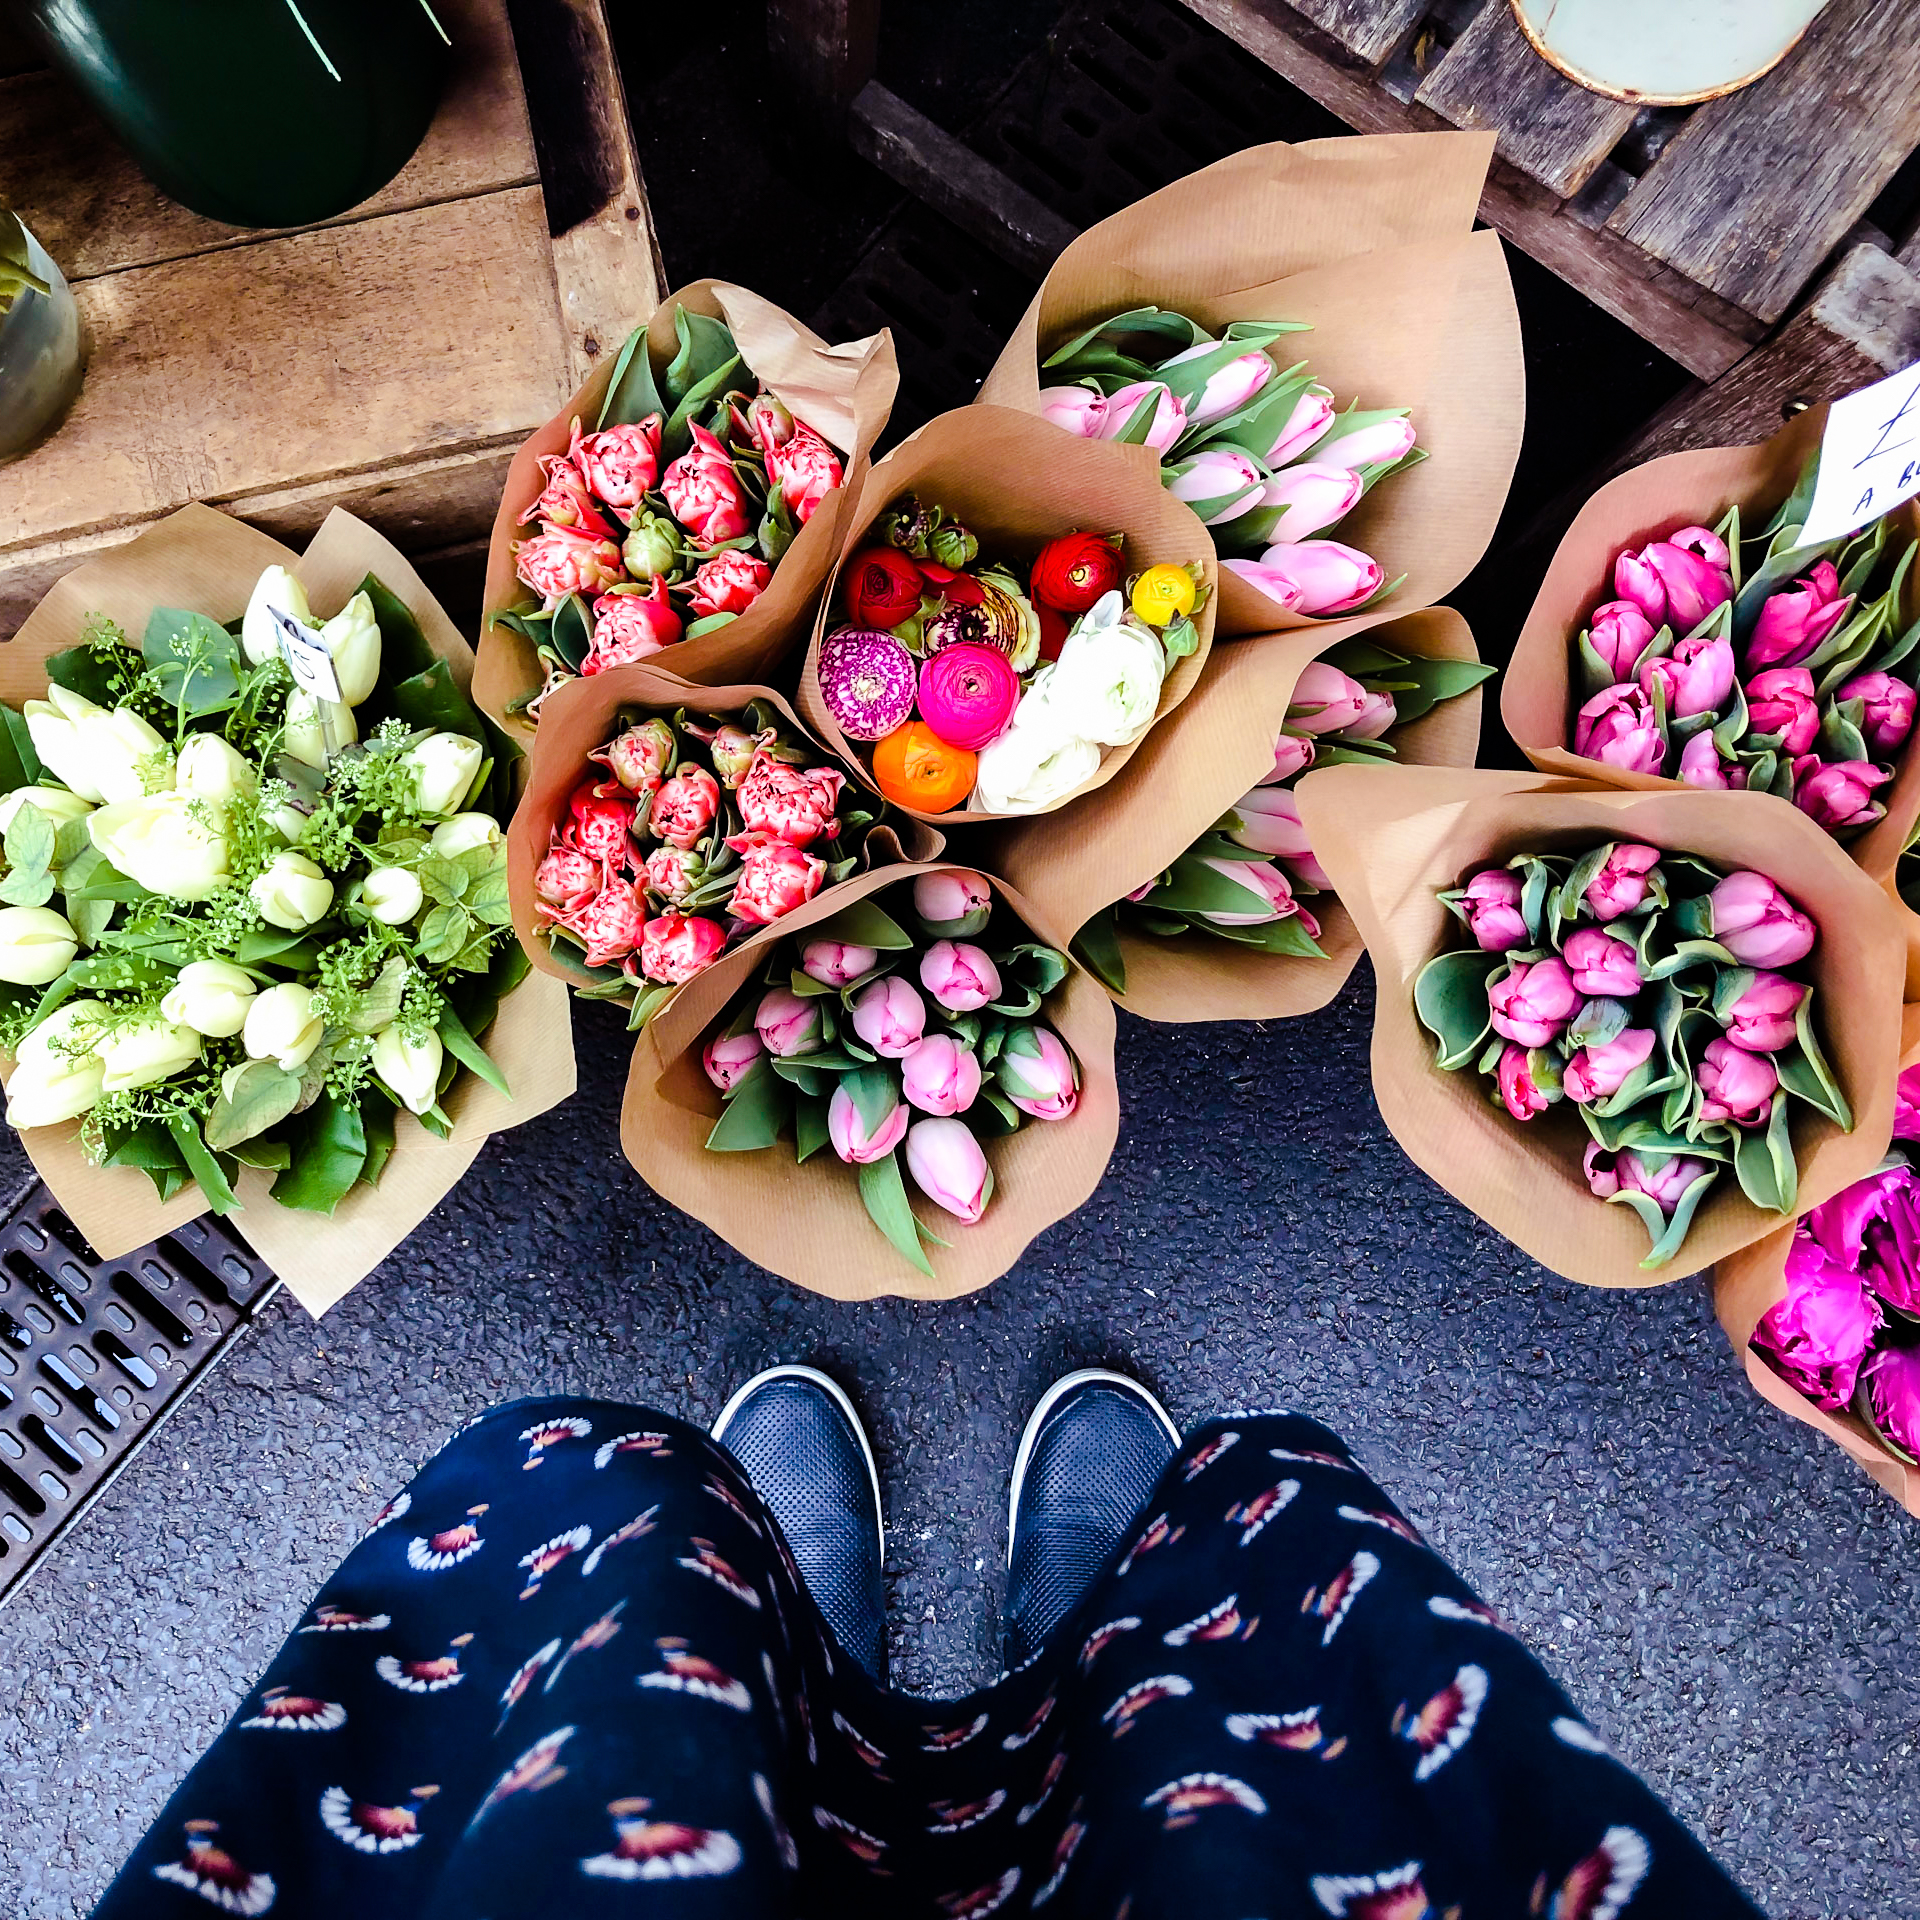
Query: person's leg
x,y
559,1663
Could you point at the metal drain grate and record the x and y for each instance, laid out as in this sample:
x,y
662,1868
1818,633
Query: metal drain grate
x,y
95,1354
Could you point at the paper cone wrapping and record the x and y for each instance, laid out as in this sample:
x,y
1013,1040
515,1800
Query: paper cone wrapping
x,y
578,718
1188,772
807,1223
1392,838
1018,482
1369,241
1539,696
1749,1283
843,392
201,559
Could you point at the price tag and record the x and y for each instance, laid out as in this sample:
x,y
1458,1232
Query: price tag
x,y
307,658
1869,457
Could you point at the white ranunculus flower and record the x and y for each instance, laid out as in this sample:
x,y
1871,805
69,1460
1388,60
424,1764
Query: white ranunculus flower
x,y
352,636
100,754
292,893
392,895
276,589
37,945
410,1069
143,1051
444,766
1033,765
164,843
1105,686
56,803
211,997
306,738
463,833
50,1085
284,1025
209,769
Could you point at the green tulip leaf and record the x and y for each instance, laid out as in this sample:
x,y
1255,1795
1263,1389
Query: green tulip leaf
x,y
863,925
1450,996
994,1114
1803,1069
1757,1171
329,1144
1599,1022
1286,937
875,1092
809,1127
1668,1235
1097,947
706,347
884,1194
631,393
1427,683
757,1108
570,631
263,1095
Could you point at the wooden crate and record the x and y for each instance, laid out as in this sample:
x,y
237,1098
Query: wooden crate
x,y
387,361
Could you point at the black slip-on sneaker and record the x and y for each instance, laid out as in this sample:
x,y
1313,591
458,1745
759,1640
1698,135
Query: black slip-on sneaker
x,y
803,1447
1090,1456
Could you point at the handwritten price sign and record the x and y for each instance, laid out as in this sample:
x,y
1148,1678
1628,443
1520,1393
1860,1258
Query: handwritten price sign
x,y
1869,457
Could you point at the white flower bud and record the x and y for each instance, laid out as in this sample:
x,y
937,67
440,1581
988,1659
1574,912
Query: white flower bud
x,y
464,832
275,590
138,1054
292,893
48,1085
410,1069
352,636
101,755
444,767
284,1025
56,803
211,997
36,945
162,842
392,895
209,769
306,737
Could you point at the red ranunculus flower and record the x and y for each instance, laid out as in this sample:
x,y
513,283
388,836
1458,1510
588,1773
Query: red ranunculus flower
x,y
1072,572
774,879
676,946
883,588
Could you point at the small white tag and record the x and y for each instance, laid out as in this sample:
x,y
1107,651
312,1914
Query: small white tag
x,y
1869,457
307,658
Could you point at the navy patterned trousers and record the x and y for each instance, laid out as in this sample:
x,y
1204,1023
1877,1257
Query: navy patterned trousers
x,y
570,1673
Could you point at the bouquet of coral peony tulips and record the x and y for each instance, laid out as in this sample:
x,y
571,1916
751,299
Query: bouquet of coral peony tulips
x,y
1657,994
247,921
1258,451
884,1043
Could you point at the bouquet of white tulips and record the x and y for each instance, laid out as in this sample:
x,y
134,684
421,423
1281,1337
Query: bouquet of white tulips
x,y
246,920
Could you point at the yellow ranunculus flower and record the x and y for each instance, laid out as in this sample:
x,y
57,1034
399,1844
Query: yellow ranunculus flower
x,y
1162,594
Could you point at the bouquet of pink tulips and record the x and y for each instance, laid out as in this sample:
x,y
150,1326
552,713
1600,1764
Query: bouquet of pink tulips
x,y
1260,452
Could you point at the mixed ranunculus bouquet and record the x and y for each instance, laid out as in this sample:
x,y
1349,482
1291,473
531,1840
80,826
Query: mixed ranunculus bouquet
x,y
1259,451
248,920
1663,998
998,685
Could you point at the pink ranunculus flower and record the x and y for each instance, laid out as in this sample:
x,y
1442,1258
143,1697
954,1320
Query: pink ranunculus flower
x,y
630,626
1735,1085
1617,728
565,500
786,1023
1621,885
1697,675
948,1166
849,1135
1702,767
1271,887
794,804
1595,1072
1228,388
890,1017
961,977
940,1076
728,583
684,807
676,946
1492,907
729,1061
568,877
1889,707
1533,1001
835,964
1893,1392
1601,966
1270,823
1329,577
1819,1331
620,463
1795,621
1837,794
1677,581
1077,409
1381,444
561,560
1522,1098
1762,1019
1758,924
1038,1075
1312,415
1291,755
674,873
1217,473
1325,700
1781,701
1618,632
705,493
1169,414
1315,497
774,879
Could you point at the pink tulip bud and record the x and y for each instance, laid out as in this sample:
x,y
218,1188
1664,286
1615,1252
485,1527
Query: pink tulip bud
x,y
1270,823
1376,717
949,1168
953,904
638,757
1610,1173
1758,924
1893,1392
1290,755
1781,701
833,963
1797,619
1315,496
684,807
890,1017
676,946
1532,1002
1078,409
1330,578
1219,483
1514,1077
1889,706
1619,633
1821,1329
1735,1085
1617,728
1228,388
1621,885
1601,966
673,873
1677,581
1636,582
962,978
1037,1073
787,1024
1169,415
849,1135
1697,675
1492,907
1762,1019
940,1076
733,751
1702,767
1325,700
1270,889
1380,444
1312,415
1595,1072
728,1061
1602,1170
1840,793
1280,588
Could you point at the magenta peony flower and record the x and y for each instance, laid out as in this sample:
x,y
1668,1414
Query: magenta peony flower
x,y
1532,1002
1796,620
1819,1331
1492,908
1761,1020
1602,966
1893,1391
1906,1106
1595,1072
1621,885
1758,924
1736,1085
1874,1228
1781,701
1617,728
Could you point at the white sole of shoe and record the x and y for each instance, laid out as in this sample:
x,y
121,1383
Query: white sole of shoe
x,y
834,1392
1051,1399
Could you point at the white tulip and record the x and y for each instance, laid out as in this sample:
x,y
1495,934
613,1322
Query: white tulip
x,y
292,893
464,832
392,895
410,1069
352,636
36,945
54,726
162,842
101,755
143,1051
444,766
288,822
275,591
56,803
209,769
211,997
50,1085
306,737
284,1025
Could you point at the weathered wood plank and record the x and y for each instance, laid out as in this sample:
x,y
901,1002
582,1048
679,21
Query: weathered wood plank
x,y
827,50
1758,188
96,213
432,331
1550,129
1370,30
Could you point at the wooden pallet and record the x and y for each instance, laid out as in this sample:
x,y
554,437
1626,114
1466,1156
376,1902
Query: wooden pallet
x,y
388,361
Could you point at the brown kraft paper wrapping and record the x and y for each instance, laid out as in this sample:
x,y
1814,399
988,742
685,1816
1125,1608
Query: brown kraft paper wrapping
x,y
1391,838
202,559
843,392
579,718
1538,697
1369,241
1750,1282
1187,773
807,1223
1017,481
